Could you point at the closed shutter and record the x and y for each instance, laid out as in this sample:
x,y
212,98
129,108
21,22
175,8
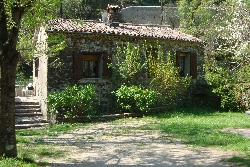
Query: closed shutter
x,y
78,66
193,65
36,67
106,61
178,59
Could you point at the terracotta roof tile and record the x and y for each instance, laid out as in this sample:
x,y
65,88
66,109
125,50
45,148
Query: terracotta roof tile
x,y
71,26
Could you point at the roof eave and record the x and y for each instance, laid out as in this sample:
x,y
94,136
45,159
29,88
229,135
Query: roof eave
x,y
170,39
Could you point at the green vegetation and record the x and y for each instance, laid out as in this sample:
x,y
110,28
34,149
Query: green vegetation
x,y
10,162
206,128
136,99
223,26
145,76
196,127
32,143
54,130
72,101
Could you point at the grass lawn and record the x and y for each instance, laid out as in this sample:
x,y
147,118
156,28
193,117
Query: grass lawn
x,y
30,144
197,127
203,127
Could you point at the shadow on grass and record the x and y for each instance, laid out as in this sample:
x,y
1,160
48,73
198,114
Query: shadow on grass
x,y
240,161
196,111
204,127
201,135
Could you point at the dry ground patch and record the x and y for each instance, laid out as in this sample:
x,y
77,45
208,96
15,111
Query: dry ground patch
x,y
122,144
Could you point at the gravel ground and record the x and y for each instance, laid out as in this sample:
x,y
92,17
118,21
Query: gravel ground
x,y
242,131
121,145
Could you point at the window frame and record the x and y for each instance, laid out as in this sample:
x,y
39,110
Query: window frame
x,y
88,59
101,58
192,60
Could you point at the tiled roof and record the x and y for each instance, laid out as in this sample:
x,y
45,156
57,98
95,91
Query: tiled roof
x,y
72,26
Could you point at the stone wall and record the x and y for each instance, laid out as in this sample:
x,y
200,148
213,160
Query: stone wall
x,y
40,81
151,15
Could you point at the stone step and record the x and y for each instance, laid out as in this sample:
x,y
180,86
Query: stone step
x,y
30,120
26,126
27,103
34,110
29,106
26,114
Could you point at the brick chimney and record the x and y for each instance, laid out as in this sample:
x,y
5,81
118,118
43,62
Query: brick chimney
x,y
113,12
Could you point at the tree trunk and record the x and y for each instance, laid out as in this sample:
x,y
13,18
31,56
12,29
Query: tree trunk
x,y
7,108
8,62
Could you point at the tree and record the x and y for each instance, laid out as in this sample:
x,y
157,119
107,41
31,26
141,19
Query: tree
x,y
224,26
228,54
18,19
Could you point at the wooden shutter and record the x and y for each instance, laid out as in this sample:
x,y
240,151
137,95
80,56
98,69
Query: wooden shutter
x,y
78,71
106,61
36,67
178,59
193,65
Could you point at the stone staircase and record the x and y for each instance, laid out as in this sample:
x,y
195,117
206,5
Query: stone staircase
x,y
28,115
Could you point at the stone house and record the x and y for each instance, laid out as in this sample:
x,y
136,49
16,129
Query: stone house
x,y
91,45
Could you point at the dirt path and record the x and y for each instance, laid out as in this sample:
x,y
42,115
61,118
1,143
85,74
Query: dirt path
x,y
120,145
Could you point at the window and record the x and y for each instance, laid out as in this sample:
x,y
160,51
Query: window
x,y
187,63
91,65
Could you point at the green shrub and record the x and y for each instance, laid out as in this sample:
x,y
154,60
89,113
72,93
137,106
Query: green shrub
x,y
73,101
231,86
135,99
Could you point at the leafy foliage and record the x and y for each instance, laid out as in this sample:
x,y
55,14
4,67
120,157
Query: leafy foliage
x,y
165,75
56,43
73,101
142,66
80,9
223,25
36,16
135,99
127,63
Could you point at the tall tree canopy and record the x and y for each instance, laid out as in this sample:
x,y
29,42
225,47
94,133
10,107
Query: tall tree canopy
x,y
224,26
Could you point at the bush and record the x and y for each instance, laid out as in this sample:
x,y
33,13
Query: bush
x,y
135,99
72,102
230,86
